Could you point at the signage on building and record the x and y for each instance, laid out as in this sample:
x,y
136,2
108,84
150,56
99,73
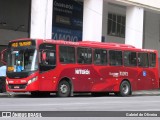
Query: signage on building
x,y
66,34
67,20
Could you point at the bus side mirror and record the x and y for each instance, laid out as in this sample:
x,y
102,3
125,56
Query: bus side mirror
x,y
4,56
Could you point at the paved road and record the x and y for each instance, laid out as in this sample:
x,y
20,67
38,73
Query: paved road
x,y
140,101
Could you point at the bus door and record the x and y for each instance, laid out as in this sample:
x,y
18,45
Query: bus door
x,y
153,70
47,59
144,80
153,77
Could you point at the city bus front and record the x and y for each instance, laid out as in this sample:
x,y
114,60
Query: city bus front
x,y
22,66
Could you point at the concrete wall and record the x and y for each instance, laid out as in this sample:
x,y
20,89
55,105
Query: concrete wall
x,y
149,3
112,8
151,37
152,31
41,19
92,20
14,19
104,20
7,35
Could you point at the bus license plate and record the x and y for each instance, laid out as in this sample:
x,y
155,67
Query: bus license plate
x,y
16,87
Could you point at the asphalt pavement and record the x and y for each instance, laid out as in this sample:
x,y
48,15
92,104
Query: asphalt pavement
x,y
139,101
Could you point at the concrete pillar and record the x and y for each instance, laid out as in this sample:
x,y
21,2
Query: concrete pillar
x,y
104,21
41,19
134,26
92,20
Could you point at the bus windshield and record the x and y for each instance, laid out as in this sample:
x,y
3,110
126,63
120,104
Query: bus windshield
x,y
23,60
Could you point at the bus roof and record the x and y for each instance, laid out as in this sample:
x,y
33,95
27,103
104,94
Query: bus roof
x,y
107,44
88,44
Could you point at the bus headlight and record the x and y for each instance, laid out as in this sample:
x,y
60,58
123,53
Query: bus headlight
x,y
32,80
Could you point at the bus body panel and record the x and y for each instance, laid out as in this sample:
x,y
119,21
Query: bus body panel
x,y
90,77
14,85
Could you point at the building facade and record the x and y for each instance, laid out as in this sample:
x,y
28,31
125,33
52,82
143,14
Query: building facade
x,y
135,22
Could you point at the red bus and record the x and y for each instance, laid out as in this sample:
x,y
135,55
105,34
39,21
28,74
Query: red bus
x,y
62,67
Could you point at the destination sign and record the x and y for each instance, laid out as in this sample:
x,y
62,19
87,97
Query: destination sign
x,y
21,44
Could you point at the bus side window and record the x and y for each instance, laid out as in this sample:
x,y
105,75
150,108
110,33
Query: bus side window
x,y
143,60
80,55
47,60
84,55
130,58
51,58
48,57
100,57
67,54
139,62
81,59
115,58
152,60
44,57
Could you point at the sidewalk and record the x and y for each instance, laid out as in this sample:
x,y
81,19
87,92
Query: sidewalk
x,y
147,92
5,94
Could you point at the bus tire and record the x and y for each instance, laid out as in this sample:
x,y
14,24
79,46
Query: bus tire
x,y
125,89
64,89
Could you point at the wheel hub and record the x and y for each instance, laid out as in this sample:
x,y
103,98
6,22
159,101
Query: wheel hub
x,y
63,88
125,89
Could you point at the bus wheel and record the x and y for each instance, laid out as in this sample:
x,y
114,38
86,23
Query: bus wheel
x,y
125,89
64,89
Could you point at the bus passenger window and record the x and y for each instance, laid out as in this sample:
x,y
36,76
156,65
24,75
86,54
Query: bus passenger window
x,y
48,58
130,58
67,54
143,60
84,55
152,60
100,57
115,58
51,58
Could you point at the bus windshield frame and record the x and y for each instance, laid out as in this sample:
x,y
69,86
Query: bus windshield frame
x,y
22,60
22,56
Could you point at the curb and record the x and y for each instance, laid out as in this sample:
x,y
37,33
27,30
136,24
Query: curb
x,y
147,92
5,94
141,92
